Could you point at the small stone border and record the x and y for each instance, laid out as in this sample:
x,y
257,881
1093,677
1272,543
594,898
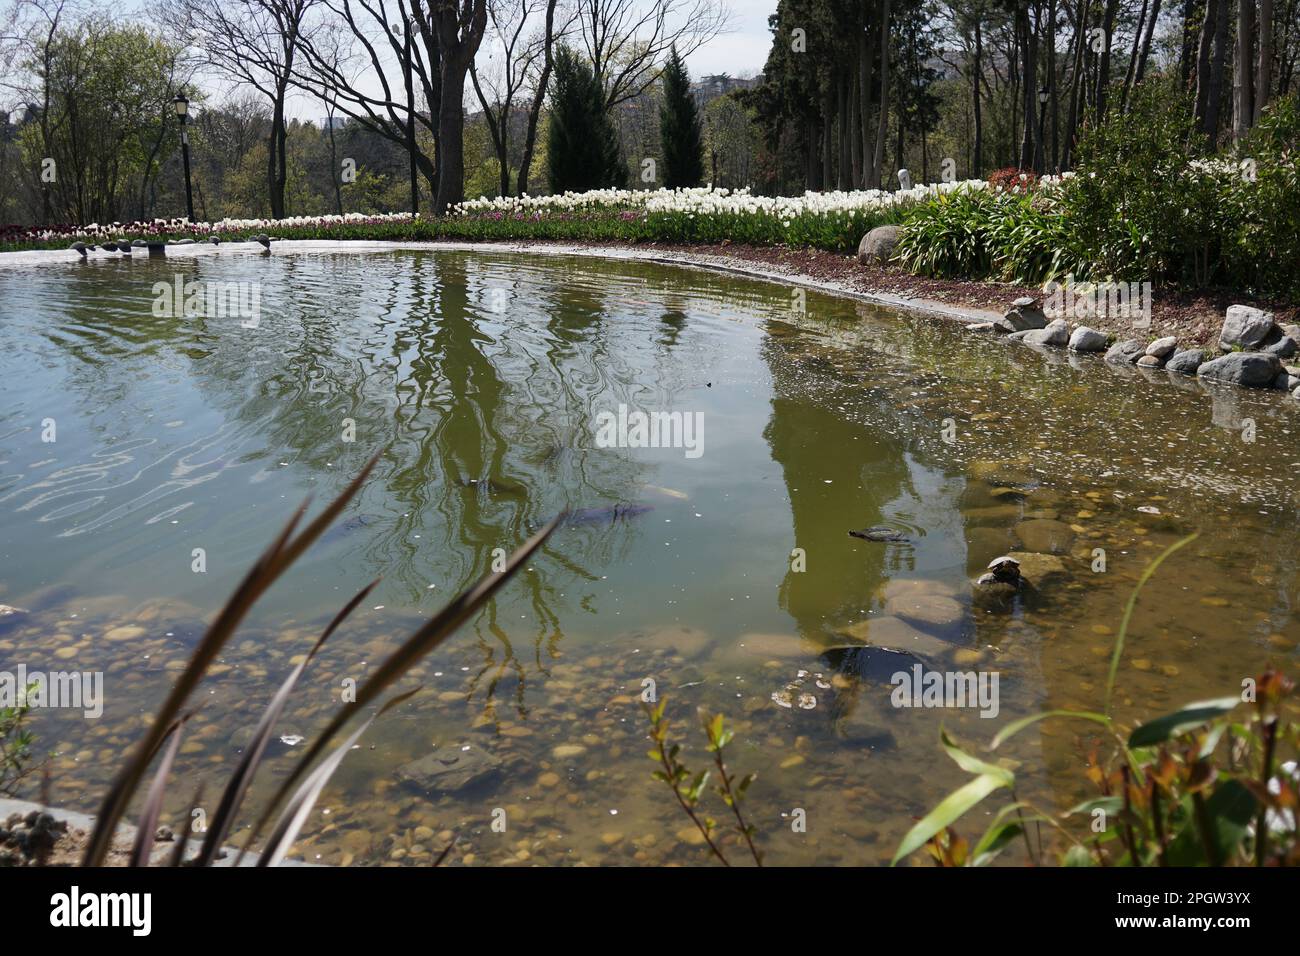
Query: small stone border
x,y
1252,344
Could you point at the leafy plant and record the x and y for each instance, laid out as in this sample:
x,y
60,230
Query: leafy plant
x,y
1195,787
688,788
15,745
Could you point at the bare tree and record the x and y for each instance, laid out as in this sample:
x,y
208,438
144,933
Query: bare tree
x,y
255,43
627,40
359,63
512,57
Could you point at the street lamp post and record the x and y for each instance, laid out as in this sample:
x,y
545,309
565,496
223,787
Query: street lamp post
x,y
410,119
1044,94
182,105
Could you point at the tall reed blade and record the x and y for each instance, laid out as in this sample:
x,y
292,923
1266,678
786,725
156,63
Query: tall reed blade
x,y
243,775
273,562
147,828
295,814
419,644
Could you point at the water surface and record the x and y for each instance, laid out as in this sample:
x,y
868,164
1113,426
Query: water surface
x,y
731,582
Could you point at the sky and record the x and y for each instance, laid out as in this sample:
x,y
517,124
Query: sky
x,y
739,52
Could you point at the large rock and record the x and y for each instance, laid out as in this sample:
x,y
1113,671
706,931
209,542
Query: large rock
x,y
1045,536
1251,369
1186,361
1055,333
1024,314
1280,344
1040,570
1245,327
1126,352
1163,348
878,245
1085,339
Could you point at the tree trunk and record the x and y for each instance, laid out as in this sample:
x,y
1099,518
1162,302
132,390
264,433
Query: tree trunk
x,y
1146,42
1131,73
1076,84
539,97
1203,48
451,134
1188,46
976,76
1243,107
866,57
1264,73
1218,58
1103,60
1029,84
882,122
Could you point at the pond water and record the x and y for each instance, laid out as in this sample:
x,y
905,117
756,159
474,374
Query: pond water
x,y
482,375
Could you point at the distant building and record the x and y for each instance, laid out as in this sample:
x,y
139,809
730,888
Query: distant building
x,y
336,122
720,84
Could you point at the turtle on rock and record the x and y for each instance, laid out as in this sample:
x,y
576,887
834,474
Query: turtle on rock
x,y
1001,581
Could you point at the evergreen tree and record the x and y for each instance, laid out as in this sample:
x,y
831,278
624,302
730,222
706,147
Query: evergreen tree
x,y
582,149
679,128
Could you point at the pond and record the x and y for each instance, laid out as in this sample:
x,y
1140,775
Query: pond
x,y
719,567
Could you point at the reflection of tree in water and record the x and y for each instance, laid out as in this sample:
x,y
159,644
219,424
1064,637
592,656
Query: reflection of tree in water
x,y
484,416
839,475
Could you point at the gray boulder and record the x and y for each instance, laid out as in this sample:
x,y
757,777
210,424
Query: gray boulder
x,y
1055,333
1126,352
1025,313
1245,327
1279,344
1186,361
1287,381
1150,361
878,245
1250,369
1084,339
1163,348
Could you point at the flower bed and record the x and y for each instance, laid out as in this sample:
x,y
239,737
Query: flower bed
x,y
834,221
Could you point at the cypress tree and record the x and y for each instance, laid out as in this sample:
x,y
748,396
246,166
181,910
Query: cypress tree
x,y
582,148
679,127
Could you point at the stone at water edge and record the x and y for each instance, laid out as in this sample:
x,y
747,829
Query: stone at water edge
x,y
1126,352
1150,361
878,245
1245,327
1187,361
1023,315
1085,339
1055,333
1163,348
1248,369
1283,346
1286,380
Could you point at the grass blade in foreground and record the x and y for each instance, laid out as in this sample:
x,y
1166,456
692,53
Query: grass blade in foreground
x,y
441,626
274,561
